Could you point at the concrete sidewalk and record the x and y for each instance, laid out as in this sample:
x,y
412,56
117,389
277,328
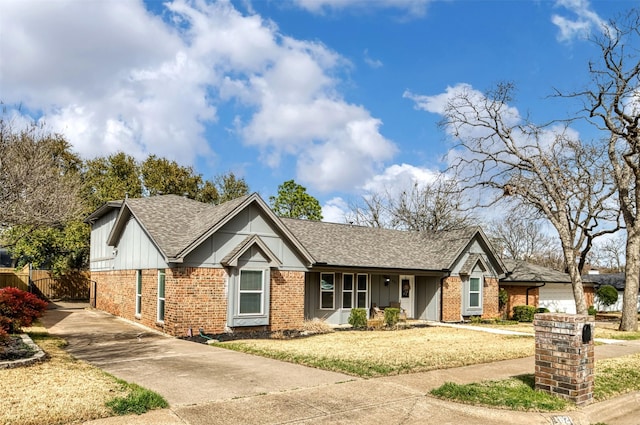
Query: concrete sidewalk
x,y
208,385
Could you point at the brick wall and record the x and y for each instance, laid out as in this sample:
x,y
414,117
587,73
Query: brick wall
x,y
490,306
518,296
194,298
451,299
564,363
287,300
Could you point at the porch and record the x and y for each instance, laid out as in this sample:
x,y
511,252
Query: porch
x,y
330,295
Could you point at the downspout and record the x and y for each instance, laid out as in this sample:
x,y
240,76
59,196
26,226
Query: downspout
x,y
533,287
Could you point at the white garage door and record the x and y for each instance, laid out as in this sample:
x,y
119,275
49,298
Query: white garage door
x,y
558,298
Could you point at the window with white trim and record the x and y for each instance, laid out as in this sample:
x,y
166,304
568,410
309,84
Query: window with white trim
x,y
161,282
362,290
475,285
347,290
251,292
138,292
327,290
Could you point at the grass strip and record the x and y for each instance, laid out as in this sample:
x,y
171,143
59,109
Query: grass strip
x,y
612,377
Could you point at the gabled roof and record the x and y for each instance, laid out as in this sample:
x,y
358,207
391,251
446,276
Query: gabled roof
x,y
357,246
178,225
519,271
232,258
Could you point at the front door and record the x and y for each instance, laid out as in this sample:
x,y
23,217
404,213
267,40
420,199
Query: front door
x,y
407,291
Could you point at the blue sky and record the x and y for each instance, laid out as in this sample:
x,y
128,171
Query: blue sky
x,y
343,96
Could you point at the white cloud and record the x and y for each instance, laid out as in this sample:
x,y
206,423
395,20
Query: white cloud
x,y
373,63
399,177
581,25
333,211
413,8
113,76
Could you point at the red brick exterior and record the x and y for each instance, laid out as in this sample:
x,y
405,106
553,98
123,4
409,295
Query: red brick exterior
x,y
194,298
452,299
490,307
518,296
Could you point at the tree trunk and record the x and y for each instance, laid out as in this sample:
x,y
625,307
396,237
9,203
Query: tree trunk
x,y
629,320
576,281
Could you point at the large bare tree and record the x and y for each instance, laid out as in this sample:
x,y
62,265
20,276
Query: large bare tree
x,y
504,155
438,205
613,104
36,186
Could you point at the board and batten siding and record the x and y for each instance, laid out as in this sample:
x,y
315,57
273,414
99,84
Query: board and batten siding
x,y
100,254
248,222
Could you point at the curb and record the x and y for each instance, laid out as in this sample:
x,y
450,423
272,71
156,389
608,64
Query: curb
x,y
37,356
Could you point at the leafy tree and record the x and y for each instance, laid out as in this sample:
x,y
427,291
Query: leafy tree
x,y
507,157
38,183
161,176
607,295
293,201
230,187
110,178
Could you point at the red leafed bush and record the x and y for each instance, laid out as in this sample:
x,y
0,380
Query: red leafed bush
x,y
19,308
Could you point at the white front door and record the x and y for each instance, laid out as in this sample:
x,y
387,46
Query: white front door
x,y
407,294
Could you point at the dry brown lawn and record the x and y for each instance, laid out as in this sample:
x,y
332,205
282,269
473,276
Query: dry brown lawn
x,y
607,330
377,353
60,390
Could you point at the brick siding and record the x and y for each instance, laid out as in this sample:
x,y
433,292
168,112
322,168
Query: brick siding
x,y
194,298
451,299
490,304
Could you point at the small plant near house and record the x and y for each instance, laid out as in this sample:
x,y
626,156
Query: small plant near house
x,y
524,313
592,311
358,318
19,308
542,310
503,299
391,316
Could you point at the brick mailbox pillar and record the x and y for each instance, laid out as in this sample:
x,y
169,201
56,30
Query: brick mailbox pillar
x,y
565,356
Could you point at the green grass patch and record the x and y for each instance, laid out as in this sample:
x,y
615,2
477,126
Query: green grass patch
x,y
515,393
138,400
612,377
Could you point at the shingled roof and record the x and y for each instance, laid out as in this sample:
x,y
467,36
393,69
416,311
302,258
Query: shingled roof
x,y
367,247
519,271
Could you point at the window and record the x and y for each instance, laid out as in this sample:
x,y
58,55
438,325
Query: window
x,y
138,292
161,280
474,292
361,300
327,287
251,292
347,291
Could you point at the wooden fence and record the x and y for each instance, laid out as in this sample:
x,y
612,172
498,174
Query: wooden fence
x,y
72,286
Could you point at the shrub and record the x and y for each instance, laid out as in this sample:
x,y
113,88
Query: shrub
x,y
524,313
607,295
358,318
592,311
542,310
19,308
391,316
503,298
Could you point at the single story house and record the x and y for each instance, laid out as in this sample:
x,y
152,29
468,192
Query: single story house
x,y
539,286
617,280
178,265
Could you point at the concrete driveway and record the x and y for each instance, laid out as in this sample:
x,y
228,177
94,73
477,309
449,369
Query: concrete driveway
x,y
209,385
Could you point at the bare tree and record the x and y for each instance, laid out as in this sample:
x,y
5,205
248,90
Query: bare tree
x,y
434,206
437,206
521,237
36,188
613,105
544,167
612,252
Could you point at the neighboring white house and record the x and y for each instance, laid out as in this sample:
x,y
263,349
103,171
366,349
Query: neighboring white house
x,y
616,280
